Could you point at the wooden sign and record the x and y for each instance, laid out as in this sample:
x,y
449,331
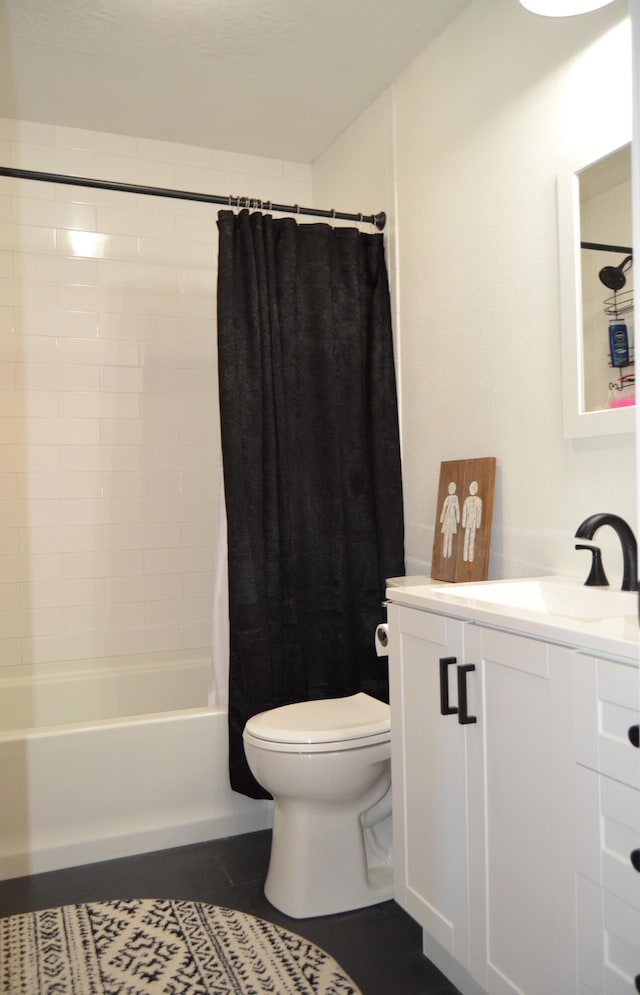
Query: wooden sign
x,y
463,520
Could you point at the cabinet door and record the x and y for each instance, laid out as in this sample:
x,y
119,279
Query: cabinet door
x,y
429,775
520,814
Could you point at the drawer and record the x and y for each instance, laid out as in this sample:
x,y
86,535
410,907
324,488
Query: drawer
x,y
608,941
607,844
606,718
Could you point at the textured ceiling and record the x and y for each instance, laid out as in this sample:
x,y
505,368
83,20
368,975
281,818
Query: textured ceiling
x,y
279,78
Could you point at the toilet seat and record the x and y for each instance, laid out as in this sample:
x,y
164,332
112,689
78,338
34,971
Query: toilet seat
x,y
324,725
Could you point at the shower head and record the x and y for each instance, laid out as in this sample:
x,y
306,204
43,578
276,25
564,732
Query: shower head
x,y
613,276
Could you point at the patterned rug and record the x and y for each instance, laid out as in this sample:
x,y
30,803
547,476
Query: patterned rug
x,y
154,946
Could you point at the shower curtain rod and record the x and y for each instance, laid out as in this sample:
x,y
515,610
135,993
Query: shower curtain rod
x,y
600,247
251,203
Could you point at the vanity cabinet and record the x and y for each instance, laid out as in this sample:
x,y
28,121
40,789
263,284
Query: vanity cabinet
x,y
482,773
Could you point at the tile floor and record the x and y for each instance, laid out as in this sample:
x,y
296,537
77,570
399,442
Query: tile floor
x,y
379,947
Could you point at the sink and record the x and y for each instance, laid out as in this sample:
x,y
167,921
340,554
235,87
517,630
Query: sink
x,y
549,596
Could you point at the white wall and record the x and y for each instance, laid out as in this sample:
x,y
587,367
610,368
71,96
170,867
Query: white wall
x,y
479,124
109,450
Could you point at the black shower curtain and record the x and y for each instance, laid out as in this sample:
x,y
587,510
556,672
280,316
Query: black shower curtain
x,y
311,463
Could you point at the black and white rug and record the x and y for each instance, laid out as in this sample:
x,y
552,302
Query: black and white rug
x,y
160,947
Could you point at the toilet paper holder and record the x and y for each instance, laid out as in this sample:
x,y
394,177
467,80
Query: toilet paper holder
x,y
382,639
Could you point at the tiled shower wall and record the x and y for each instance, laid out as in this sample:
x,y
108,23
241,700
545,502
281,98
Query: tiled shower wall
x,y
109,447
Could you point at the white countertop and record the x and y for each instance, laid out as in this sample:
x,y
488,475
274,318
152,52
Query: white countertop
x,y
617,636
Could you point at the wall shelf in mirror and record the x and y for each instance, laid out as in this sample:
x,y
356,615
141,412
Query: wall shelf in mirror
x,y
596,291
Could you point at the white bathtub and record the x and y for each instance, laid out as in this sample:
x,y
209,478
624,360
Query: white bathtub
x,y
102,759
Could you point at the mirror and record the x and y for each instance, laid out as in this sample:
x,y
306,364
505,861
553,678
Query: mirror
x,y
596,272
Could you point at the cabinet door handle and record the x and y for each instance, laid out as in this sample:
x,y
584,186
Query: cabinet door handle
x,y
635,859
463,715
445,707
634,735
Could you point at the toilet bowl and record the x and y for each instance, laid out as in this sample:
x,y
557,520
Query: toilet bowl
x,y
327,765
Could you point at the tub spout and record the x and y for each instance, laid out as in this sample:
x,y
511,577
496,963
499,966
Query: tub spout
x,y
587,530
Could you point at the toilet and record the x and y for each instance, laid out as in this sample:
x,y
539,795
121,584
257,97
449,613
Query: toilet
x,y
327,765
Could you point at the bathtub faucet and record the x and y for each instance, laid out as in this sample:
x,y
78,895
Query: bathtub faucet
x,y
587,530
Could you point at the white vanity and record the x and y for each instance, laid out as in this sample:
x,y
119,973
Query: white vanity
x,y
516,782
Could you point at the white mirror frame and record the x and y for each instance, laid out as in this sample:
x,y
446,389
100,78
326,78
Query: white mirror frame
x,y
577,422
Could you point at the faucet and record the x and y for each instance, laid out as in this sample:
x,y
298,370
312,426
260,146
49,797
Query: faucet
x,y
587,530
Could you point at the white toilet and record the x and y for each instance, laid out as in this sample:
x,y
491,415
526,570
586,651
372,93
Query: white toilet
x,y
327,765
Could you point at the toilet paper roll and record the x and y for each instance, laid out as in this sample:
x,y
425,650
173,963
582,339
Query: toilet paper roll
x,y
382,639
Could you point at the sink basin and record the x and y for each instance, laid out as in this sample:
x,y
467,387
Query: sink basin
x,y
549,596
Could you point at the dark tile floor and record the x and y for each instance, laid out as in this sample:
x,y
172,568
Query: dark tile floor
x,y
379,947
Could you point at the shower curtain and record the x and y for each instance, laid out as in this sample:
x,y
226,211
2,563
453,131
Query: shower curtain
x,y
311,460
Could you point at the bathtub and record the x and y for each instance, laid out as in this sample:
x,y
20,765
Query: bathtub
x,y
107,758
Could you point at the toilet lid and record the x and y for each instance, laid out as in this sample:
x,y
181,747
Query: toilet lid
x,y
329,720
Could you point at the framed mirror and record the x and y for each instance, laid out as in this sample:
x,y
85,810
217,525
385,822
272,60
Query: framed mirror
x,y
596,292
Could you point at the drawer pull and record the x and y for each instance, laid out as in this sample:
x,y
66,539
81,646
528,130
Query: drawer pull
x,y
634,738
463,715
635,859
638,982
445,707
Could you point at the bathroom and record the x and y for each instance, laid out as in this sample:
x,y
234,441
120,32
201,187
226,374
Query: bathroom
x,y
467,177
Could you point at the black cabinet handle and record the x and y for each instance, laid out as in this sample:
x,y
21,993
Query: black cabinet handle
x,y
634,736
635,859
463,715
445,707
637,980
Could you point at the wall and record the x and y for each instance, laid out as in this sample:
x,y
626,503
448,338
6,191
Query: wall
x,y
479,123
109,451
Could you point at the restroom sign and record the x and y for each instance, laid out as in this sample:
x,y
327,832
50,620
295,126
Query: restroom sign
x,y
462,534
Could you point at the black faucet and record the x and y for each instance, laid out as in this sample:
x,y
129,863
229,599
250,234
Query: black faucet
x,y
587,530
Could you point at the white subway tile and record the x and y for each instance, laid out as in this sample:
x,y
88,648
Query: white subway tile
x,y
28,349
160,561
48,321
53,214
64,539
140,223
24,403
22,292
121,379
55,269
42,377
198,585
9,541
69,646
197,635
120,432
8,485
141,275
6,320
10,597
27,238
141,535
103,563
60,484
63,591
21,458
6,264
96,245
118,353
11,653
164,303
173,253
200,381
202,229
160,380
197,305
8,434
144,640
160,432
7,376
99,457
63,431
198,533
6,208
149,587
37,622
198,280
